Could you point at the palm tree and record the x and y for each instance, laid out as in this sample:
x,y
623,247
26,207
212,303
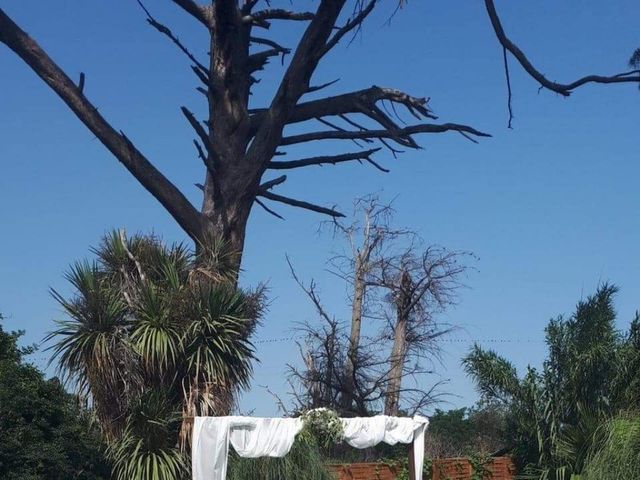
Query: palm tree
x,y
557,413
155,335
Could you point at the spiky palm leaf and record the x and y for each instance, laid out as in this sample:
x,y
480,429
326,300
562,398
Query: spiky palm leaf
x,y
156,334
133,460
218,353
92,345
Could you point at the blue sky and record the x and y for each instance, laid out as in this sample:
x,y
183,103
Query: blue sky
x,y
550,207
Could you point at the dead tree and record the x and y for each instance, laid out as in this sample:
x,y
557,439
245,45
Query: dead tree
x,y
386,270
321,380
366,239
374,370
420,285
239,143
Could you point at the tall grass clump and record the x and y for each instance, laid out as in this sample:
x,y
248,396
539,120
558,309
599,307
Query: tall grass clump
x,y
617,457
303,462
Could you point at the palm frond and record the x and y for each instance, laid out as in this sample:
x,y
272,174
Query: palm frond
x,y
495,376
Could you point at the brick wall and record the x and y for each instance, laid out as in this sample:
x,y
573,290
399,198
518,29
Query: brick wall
x,y
501,468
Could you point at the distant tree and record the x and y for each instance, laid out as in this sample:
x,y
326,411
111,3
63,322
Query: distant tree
x,y
590,375
396,288
240,143
44,433
479,430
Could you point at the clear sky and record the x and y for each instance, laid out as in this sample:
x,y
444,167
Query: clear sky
x,y
550,207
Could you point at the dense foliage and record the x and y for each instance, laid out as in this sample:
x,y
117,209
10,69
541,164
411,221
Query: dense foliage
x,y
616,453
44,434
479,430
155,335
556,415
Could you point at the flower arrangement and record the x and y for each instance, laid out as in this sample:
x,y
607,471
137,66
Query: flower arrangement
x,y
324,425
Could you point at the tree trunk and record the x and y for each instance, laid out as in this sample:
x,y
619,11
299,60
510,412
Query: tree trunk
x,y
399,350
225,216
354,337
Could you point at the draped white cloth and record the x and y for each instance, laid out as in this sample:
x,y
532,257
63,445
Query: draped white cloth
x,y
365,432
273,437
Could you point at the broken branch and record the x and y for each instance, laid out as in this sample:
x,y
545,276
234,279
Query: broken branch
x,y
564,89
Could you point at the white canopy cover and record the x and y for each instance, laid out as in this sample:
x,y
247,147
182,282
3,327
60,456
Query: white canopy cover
x,y
253,437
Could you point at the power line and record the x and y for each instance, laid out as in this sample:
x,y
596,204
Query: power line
x,y
444,340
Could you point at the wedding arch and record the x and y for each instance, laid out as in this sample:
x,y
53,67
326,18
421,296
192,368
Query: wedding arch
x,y
253,437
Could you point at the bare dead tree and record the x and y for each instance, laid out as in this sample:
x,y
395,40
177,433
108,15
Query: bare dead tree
x,y
386,270
366,239
421,283
323,381
238,141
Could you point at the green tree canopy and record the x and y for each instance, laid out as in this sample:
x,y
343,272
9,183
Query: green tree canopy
x,y
478,430
44,433
590,375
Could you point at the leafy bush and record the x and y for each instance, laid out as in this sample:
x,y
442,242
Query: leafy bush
x,y
479,430
555,414
44,434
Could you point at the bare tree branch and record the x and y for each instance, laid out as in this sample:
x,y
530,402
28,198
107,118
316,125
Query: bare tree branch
x,y
272,183
361,101
166,31
508,78
202,134
257,61
295,81
371,134
277,14
268,42
202,14
354,22
300,204
329,159
315,88
311,292
118,144
268,210
564,89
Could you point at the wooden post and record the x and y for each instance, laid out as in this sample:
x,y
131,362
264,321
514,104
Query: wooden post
x,y
412,468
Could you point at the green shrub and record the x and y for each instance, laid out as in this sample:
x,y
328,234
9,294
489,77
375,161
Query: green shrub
x,y
303,462
617,457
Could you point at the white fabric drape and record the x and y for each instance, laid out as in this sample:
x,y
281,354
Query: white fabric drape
x,y
365,432
250,437
273,437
